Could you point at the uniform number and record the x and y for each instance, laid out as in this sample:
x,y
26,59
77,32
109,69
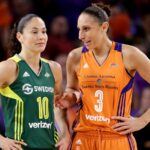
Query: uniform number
x,y
99,105
43,107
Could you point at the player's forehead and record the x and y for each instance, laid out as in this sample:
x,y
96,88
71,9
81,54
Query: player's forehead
x,y
86,20
35,23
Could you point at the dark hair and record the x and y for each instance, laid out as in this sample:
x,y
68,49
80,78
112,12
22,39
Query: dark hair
x,y
100,11
14,45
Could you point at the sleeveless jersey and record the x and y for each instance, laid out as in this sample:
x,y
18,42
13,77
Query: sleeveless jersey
x,y
106,90
28,106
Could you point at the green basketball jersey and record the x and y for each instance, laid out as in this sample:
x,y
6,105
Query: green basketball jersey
x,y
28,106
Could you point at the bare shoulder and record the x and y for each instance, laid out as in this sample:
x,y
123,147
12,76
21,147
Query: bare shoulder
x,y
131,54
8,66
8,72
55,67
54,64
75,54
129,51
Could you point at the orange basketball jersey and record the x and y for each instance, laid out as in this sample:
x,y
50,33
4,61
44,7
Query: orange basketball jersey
x,y
106,90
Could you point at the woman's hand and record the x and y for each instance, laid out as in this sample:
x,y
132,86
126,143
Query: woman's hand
x,y
64,142
128,125
67,100
10,144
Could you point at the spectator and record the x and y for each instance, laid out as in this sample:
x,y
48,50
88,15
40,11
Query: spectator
x,y
58,42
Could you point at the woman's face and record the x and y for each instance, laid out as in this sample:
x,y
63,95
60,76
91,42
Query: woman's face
x,y
34,36
90,31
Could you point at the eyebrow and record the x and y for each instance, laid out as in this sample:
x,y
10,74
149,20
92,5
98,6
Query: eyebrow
x,y
83,26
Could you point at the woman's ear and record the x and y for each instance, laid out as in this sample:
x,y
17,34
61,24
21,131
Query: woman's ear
x,y
19,37
105,26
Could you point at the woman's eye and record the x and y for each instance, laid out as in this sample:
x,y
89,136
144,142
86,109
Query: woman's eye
x,y
34,32
44,32
86,29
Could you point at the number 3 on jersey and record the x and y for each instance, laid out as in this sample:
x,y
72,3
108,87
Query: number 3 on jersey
x,y
43,107
99,106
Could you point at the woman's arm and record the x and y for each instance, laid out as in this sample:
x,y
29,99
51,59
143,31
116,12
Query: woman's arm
x,y
72,93
8,72
128,125
64,137
134,60
72,66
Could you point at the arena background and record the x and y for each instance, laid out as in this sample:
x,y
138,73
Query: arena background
x,y
129,23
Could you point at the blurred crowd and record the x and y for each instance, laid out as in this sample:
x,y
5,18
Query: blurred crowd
x,y
129,23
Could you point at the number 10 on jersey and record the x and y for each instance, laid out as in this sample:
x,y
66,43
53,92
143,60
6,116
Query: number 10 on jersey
x,y
43,107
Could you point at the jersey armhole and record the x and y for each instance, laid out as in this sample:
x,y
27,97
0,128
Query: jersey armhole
x,y
127,69
52,73
15,59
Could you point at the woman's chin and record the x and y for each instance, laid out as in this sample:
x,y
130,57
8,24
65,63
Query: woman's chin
x,y
88,46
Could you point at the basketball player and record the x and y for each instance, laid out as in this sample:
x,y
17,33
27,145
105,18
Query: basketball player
x,y
103,71
28,84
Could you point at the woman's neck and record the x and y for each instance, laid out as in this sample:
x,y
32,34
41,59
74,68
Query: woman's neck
x,y
103,47
30,57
